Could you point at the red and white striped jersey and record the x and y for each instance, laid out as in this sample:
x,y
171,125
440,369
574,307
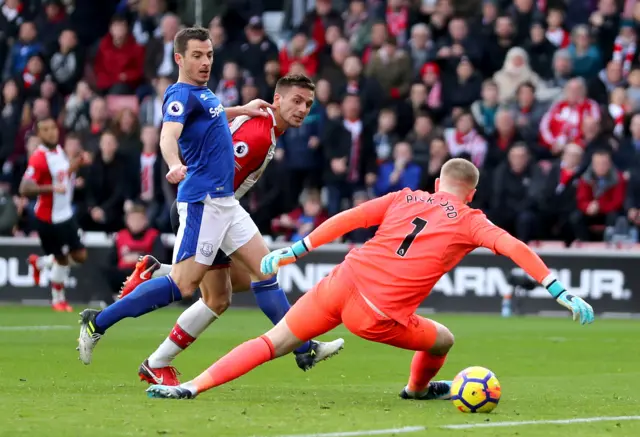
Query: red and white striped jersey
x,y
51,167
254,143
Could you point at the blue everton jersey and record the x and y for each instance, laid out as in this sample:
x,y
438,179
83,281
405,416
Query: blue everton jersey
x,y
205,143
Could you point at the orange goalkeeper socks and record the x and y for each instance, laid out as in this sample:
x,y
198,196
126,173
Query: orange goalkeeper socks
x,y
236,363
424,367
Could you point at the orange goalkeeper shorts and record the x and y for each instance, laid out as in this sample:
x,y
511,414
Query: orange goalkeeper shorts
x,y
335,300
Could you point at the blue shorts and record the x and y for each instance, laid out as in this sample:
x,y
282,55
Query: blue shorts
x,y
198,230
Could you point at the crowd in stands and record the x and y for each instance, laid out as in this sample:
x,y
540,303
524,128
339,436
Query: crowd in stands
x,y
542,95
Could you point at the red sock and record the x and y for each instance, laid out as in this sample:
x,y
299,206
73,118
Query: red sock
x,y
236,363
424,367
180,337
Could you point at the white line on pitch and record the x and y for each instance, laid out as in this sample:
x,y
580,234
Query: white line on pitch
x,y
409,429
541,422
35,328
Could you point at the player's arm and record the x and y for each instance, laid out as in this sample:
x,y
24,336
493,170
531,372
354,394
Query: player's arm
x,y
255,108
486,234
175,111
366,215
31,184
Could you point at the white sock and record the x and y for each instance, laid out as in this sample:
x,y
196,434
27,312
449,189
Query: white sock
x,y
164,270
57,277
45,262
191,323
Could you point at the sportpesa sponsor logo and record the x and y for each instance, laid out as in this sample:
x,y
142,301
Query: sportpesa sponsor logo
x,y
215,112
481,281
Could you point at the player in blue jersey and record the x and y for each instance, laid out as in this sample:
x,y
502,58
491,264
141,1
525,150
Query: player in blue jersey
x,y
194,126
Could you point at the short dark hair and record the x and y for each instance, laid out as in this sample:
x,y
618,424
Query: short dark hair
x,y
291,80
43,119
185,35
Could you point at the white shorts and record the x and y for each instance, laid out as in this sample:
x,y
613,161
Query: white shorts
x,y
215,223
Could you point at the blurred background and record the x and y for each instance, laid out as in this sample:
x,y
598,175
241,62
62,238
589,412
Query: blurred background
x,y
542,95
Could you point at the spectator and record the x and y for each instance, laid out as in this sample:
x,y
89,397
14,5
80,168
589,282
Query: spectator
x,y
119,61
319,19
390,66
527,111
556,195
377,40
9,214
463,89
301,50
556,33
516,71
605,22
10,115
586,57
540,51
67,62
357,25
106,188
420,138
11,18
512,203
129,244
361,235
147,24
595,137
398,173
23,49
524,14
73,149
626,157
348,148
148,168
618,109
302,155
223,51
499,44
408,110
464,140
600,196
302,220
385,137
31,78
151,108
49,91
258,49
76,117
228,87
438,155
456,44
607,80
158,56
625,46
31,113
420,47
484,110
504,138
562,71
431,78
368,88
398,17
561,123
51,24
633,91
334,66
98,124
126,128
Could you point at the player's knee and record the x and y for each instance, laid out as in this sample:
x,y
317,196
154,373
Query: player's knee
x,y
444,341
186,286
218,303
79,256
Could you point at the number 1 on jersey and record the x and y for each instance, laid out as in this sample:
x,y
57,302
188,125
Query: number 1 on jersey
x,y
419,224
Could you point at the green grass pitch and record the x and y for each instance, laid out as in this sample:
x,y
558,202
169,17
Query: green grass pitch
x,y
549,369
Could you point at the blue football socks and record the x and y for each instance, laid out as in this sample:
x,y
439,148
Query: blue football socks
x,y
273,302
148,296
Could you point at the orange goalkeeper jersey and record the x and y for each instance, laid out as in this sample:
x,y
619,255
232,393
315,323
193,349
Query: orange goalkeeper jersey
x,y
421,237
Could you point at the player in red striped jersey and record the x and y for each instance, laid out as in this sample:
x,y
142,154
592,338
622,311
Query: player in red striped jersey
x,y
254,145
50,176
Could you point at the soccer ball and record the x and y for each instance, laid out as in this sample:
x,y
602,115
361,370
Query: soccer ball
x,y
475,390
